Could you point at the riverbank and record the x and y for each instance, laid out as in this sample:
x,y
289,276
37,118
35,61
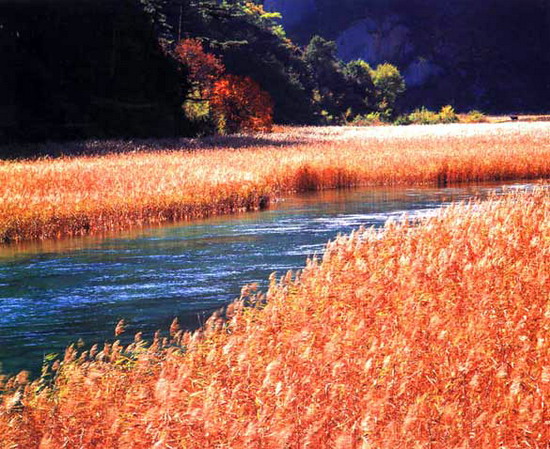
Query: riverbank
x,y
135,184
433,335
56,292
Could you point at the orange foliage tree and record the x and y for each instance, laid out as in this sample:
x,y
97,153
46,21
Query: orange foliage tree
x,y
239,104
204,69
236,103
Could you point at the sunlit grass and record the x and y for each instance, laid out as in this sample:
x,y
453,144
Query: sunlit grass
x,y
418,336
49,198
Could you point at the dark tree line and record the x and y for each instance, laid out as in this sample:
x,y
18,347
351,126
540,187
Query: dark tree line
x,y
494,54
307,84
77,68
104,68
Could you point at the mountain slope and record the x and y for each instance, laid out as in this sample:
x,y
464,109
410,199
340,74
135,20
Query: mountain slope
x,y
488,54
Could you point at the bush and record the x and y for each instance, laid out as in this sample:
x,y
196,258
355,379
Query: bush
x,y
371,119
447,115
402,120
239,104
474,116
423,116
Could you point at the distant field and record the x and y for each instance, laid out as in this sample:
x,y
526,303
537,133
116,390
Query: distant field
x,y
520,118
117,185
430,336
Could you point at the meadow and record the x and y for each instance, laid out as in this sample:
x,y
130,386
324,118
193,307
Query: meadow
x,y
98,187
419,335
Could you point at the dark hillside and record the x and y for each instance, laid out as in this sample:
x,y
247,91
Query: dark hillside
x,y
488,54
84,68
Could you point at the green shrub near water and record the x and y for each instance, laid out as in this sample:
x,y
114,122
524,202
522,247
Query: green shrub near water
x,y
403,120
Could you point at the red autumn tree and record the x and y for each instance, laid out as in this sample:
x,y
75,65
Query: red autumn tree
x,y
239,104
204,69
236,103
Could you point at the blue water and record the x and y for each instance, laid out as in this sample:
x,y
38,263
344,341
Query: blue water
x,y
57,292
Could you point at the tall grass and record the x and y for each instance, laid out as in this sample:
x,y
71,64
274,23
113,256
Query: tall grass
x,y
49,198
428,336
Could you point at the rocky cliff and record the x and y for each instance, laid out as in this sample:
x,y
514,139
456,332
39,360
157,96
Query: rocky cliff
x,y
488,54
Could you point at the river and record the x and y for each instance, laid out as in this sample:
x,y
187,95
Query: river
x,y
56,292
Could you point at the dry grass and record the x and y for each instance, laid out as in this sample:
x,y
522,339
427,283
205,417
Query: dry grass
x,y
520,117
49,198
430,336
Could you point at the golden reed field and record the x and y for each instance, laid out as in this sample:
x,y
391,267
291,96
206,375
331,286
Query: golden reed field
x,y
422,335
134,184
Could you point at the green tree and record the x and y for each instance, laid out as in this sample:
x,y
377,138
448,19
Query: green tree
x,y
327,72
321,53
361,92
388,84
359,71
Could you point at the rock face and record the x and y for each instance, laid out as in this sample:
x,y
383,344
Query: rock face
x,y
293,11
485,54
421,71
375,41
386,39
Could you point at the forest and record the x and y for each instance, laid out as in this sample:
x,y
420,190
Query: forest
x,y
474,54
133,68
104,68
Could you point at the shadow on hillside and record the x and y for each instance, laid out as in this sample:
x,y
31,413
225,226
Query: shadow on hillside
x,y
103,147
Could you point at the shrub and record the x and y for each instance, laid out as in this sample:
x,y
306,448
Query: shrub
x,y
402,120
370,119
327,118
203,69
447,115
474,116
229,103
423,116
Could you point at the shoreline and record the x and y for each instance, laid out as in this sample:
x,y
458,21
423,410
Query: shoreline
x,y
86,195
399,340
